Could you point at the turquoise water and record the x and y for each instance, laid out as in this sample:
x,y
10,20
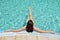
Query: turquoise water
x,y
46,14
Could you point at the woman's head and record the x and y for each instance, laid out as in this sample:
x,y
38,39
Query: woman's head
x,y
29,27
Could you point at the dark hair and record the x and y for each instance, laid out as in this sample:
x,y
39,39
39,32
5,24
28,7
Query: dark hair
x,y
29,27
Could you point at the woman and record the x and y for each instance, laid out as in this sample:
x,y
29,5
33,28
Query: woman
x,y
30,25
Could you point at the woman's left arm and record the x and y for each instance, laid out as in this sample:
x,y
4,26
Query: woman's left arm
x,y
42,31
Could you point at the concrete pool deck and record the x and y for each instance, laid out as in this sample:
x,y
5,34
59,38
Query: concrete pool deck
x,y
28,36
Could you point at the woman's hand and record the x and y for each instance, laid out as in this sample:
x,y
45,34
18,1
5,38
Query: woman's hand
x,y
49,31
7,31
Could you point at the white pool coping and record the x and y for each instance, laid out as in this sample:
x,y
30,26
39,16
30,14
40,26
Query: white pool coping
x,y
26,33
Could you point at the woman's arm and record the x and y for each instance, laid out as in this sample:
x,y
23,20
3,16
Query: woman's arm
x,y
42,31
21,29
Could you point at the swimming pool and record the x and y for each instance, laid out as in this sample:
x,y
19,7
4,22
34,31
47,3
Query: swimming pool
x,y
46,14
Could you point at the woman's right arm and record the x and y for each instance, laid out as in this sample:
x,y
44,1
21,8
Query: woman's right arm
x,y
21,29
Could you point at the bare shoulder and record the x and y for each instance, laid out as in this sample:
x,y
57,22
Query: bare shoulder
x,y
35,28
24,26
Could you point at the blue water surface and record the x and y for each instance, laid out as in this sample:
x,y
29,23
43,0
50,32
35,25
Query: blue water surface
x,y
45,13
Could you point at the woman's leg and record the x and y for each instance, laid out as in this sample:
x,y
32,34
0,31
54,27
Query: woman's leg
x,y
29,15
